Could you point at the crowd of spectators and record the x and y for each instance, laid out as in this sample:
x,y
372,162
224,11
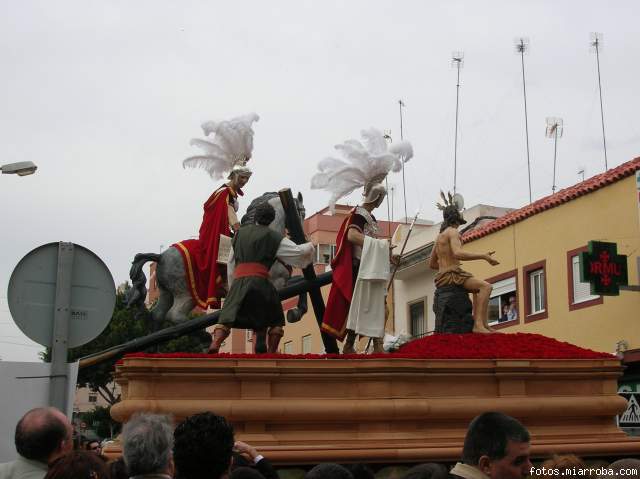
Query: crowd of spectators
x,y
203,446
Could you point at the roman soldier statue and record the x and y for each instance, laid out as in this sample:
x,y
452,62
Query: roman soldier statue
x,y
253,301
356,303
227,148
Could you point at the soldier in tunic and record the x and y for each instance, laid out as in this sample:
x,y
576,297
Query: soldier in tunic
x,y
253,302
339,319
365,164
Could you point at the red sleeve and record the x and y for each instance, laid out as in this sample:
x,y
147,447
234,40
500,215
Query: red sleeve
x,y
358,221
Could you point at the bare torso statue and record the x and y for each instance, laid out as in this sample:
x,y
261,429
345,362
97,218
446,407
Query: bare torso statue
x,y
446,258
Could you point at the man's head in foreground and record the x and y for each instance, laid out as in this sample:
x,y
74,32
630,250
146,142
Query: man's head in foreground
x,y
497,445
43,434
147,440
203,446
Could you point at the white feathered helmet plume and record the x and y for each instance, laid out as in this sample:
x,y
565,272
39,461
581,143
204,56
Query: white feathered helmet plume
x,y
365,164
227,147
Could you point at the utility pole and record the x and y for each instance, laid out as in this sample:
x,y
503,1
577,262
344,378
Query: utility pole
x,y
596,45
387,137
522,45
404,186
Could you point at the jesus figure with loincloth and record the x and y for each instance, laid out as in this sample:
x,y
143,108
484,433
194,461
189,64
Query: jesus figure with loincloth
x,y
446,257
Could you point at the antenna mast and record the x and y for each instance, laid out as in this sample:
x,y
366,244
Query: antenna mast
x,y
404,186
596,45
457,60
522,46
581,172
387,137
554,130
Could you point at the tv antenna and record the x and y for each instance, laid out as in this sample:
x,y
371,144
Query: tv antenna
x,y
554,130
401,105
522,47
596,45
387,137
457,61
393,189
581,172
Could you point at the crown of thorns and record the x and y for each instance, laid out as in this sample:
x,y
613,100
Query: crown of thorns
x,y
448,201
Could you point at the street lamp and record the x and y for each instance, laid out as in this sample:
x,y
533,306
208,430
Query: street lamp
x,y
22,168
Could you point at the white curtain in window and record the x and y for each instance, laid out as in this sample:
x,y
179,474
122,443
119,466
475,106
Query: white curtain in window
x,y
537,291
581,291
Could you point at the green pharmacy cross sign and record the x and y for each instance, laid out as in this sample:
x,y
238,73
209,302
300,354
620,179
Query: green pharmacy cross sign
x,y
604,268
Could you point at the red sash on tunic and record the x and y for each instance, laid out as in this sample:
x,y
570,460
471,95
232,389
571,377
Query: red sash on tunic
x,y
204,274
334,321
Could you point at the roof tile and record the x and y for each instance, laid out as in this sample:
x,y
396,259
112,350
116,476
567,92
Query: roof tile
x,y
563,196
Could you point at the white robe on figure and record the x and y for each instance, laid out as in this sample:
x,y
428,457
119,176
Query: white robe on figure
x,y
366,314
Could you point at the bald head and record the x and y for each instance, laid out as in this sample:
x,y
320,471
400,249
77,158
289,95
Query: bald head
x,y
43,434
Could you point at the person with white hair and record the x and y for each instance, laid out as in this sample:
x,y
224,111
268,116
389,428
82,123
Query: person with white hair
x,y
147,446
356,303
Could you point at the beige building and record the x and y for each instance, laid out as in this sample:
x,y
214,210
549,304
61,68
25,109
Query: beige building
x,y
86,400
538,248
413,287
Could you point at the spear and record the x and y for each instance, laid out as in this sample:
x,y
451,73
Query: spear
x,y
404,245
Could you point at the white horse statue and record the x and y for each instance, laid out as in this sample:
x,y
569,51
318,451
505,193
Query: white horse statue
x,y
175,302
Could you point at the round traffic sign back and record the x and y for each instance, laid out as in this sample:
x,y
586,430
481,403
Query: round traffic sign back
x,y
32,295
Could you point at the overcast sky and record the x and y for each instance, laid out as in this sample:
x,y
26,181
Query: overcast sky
x,y
104,97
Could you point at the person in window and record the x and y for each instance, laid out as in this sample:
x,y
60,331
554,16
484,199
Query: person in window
x,y
505,314
512,314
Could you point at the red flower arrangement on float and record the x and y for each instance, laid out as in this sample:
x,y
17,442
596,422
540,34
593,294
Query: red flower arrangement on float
x,y
440,346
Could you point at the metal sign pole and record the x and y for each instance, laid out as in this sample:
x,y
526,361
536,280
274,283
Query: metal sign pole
x,y
62,314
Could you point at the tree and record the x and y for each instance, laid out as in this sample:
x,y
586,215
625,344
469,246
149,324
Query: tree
x,y
124,326
99,421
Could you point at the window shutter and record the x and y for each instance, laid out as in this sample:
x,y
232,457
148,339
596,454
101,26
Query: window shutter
x,y
581,291
504,286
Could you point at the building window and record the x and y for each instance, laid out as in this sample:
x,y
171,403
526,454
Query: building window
x,y
418,318
93,398
579,293
535,291
503,303
325,253
306,344
288,347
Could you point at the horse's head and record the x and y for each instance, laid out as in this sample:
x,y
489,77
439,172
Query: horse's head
x,y
302,212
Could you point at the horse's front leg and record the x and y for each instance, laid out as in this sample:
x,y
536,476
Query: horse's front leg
x,y
295,314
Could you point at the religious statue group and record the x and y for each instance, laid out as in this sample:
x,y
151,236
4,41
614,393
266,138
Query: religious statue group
x,y
201,272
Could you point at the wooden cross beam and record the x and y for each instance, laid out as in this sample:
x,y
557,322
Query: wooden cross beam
x,y
296,233
195,324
